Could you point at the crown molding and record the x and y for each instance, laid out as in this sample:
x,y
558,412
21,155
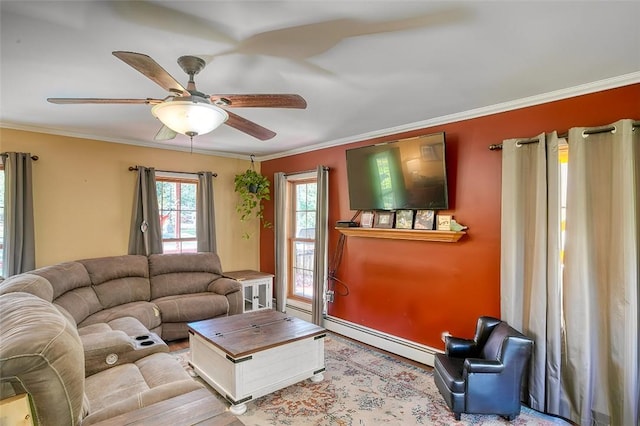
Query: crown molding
x,y
144,144
556,95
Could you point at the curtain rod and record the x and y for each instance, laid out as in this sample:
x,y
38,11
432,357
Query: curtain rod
x,y
134,168
307,171
33,157
592,131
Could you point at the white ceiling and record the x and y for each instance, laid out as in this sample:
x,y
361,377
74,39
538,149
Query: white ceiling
x,y
364,67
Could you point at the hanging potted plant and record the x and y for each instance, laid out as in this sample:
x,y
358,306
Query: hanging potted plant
x,y
252,188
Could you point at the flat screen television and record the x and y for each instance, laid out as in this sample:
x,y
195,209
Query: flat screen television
x,y
405,174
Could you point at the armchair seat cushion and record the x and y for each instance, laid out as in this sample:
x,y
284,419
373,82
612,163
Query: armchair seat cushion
x,y
450,370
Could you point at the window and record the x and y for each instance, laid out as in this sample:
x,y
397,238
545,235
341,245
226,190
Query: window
x,y
177,206
563,153
302,220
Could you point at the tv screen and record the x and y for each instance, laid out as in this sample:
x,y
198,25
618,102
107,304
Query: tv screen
x,y
405,174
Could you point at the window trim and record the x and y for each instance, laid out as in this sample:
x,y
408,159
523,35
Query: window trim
x,y
292,181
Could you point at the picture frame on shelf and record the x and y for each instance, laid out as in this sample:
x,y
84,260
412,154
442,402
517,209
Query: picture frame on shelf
x,y
425,219
404,219
383,219
366,219
444,222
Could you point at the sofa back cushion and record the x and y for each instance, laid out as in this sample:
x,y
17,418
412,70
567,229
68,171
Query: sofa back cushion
x,y
71,289
28,283
41,352
118,280
172,274
64,277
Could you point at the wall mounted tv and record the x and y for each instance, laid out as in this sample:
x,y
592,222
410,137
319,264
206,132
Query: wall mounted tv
x,y
405,174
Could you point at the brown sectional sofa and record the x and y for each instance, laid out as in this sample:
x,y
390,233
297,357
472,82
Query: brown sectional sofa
x,y
110,314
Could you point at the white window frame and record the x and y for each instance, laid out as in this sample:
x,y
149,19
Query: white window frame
x,y
292,299
177,177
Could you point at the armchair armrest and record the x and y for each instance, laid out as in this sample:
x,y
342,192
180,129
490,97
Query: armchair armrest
x,y
224,286
457,347
477,365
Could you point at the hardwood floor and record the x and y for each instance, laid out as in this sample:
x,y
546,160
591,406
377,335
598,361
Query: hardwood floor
x,y
178,345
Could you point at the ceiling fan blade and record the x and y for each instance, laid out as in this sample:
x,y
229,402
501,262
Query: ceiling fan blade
x,y
150,68
249,127
103,101
165,134
260,101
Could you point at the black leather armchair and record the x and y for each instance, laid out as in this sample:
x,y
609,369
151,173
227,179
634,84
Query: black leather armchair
x,y
484,375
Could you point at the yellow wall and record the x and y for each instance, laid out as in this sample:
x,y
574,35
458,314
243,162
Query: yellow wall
x,y
83,196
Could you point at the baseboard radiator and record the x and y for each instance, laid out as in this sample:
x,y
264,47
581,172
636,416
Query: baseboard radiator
x,y
387,342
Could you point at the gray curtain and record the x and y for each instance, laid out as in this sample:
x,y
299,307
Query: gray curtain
x,y
584,320
145,237
19,235
205,214
530,253
318,304
280,246
602,373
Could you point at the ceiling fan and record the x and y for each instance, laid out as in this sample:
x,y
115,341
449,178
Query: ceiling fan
x,y
188,111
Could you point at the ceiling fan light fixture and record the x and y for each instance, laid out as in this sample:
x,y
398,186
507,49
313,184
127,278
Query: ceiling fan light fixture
x,y
189,117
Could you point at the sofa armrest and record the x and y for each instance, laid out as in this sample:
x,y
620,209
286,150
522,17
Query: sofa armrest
x,y
457,347
103,350
232,290
110,348
477,365
107,341
224,286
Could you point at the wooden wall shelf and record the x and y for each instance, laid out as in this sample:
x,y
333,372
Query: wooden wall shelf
x,y
404,234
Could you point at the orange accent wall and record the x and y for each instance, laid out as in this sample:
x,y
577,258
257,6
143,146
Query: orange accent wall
x,y
416,289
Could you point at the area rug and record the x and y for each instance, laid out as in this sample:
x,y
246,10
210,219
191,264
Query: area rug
x,y
365,387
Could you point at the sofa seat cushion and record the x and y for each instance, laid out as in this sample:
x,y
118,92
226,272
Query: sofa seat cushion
x,y
129,325
145,312
450,370
127,387
192,307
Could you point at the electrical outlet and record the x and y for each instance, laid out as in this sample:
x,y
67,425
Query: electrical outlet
x,y
330,296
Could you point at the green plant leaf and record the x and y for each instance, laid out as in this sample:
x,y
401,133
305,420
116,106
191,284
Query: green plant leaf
x,y
250,200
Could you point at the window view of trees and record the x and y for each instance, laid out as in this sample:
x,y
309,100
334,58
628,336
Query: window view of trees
x,y
177,206
303,238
